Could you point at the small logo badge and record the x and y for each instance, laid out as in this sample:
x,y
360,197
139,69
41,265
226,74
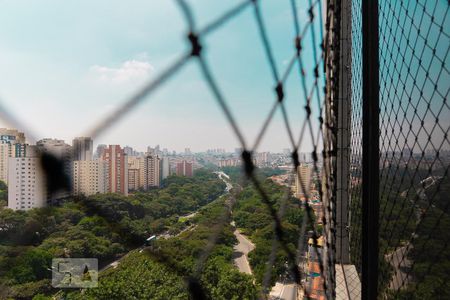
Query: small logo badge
x,y
74,272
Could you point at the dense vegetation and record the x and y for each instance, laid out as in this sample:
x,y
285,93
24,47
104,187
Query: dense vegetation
x,y
253,217
102,226
3,194
108,226
179,258
403,204
430,252
161,272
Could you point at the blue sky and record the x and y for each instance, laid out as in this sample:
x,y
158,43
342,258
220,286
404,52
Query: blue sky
x,y
66,64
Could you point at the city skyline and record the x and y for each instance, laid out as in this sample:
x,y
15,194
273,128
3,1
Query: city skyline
x,y
144,149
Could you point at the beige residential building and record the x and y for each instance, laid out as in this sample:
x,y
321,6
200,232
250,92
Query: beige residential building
x,y
133,179
134,172
303,180
89,177
149,172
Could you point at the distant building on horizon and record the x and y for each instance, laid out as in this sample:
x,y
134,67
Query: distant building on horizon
x,y
129,151
184,168
229,162
83,148
117,169
99,151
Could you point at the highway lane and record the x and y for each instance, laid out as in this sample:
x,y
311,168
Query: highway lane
x,y
241,251
399,261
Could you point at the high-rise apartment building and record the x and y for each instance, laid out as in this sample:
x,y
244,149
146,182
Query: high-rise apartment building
x,y
12,144
89,177
150,172
134,172
27,186
133,179
184,168
165,167
22,150
303,180
117,169
82,148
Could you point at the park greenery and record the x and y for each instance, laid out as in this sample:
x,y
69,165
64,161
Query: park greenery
x,y
164,269
430,254
169,265
193,252
3,194
410,214
252,216
191,218
103,226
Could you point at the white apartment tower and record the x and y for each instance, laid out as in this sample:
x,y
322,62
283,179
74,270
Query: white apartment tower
x,y
8,150
26,188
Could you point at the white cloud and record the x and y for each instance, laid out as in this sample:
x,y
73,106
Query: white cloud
x,y
129,71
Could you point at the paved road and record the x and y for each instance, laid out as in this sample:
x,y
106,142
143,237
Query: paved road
x,y
289,292
283,291
241,251
399,278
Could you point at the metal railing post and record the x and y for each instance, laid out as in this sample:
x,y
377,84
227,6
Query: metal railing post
x,y
370,147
